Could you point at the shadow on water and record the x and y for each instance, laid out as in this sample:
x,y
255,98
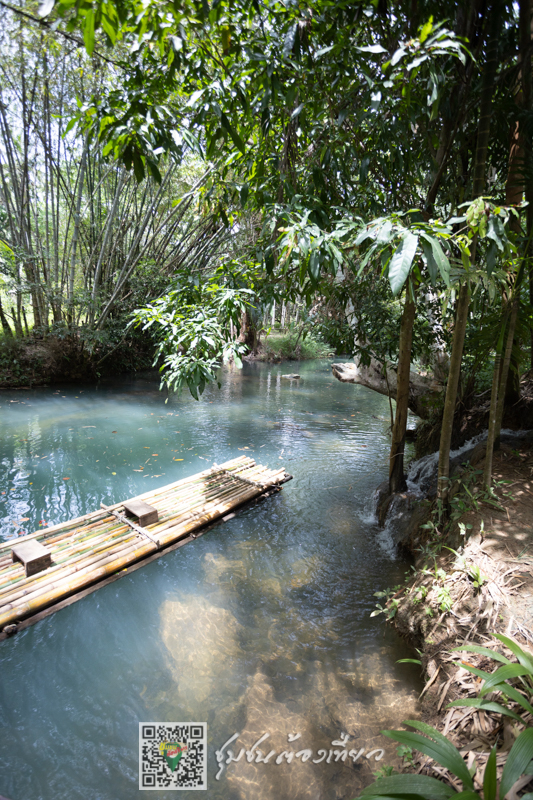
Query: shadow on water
x,y
260,627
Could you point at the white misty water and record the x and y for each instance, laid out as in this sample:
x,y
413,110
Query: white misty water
x,y
260,626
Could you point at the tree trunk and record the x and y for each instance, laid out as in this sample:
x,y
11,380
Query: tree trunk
x,y
396,472
525,25
76,234
248,334
506,364
461,319
282,321
5,324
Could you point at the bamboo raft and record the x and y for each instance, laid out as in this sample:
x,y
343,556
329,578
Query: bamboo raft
x,y
92,550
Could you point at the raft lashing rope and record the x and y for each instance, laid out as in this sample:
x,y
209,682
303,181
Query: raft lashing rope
x,y
88,550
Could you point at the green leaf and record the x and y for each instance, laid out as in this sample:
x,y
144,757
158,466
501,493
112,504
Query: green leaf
x,y
398,55
88,32
154,170
366,233
430,261
457,765
372,48
524,658
71,123
437,257
496,232
490,780
289,40
314,265
400,263
517,760
297,110
503,674
238,142
426,30
485,705
482,651
423,785
447,755
324,50
385,233
378,796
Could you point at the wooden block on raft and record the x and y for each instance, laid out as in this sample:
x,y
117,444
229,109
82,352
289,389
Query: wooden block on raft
x,y
33,555
145,514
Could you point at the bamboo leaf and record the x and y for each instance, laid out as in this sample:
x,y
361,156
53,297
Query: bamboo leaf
x,y
232,132
88,32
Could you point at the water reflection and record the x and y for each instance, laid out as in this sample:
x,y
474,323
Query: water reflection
x,y
262,625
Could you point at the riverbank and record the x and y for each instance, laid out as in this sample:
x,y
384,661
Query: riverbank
x,y
461,596
69,358
41,361
277,347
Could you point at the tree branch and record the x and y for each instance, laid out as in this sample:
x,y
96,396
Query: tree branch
x,y
44,24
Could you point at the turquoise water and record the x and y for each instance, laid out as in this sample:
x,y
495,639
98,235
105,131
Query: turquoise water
x,y
260,626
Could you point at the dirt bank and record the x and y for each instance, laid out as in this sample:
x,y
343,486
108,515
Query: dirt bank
x,y
39,361
464,597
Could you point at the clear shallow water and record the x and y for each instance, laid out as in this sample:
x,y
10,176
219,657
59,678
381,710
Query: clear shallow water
x,y
260,626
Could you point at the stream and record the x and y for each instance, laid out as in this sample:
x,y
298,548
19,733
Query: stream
x,y
261,626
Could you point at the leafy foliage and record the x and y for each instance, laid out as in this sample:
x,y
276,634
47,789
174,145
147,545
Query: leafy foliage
x,y
433,744
191,323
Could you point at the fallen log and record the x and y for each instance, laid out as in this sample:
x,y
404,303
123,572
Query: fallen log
x,y
424,390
